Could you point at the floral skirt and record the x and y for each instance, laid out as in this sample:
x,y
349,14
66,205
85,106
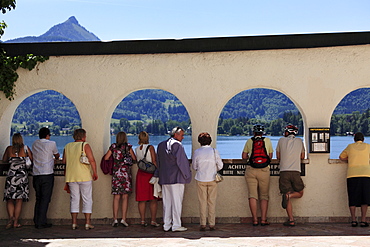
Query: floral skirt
x,y
122,180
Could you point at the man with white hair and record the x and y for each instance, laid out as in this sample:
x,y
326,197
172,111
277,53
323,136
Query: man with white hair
x,y
174,173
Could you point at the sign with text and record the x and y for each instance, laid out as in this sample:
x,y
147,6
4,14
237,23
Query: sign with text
x,y
319,140
58,169
236,167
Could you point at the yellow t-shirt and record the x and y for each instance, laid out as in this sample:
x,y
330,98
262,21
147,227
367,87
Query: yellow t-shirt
x,y
358,155
76,171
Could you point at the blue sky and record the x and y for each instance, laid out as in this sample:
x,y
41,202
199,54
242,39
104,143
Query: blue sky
x,y
160,19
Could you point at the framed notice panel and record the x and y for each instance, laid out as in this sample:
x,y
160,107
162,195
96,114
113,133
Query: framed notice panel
x,y
319,140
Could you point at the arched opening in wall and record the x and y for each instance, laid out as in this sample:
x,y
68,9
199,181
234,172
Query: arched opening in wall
x,y
154,111
49,109
351,115
268,107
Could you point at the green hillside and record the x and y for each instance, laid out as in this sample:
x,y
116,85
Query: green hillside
x,y
157,111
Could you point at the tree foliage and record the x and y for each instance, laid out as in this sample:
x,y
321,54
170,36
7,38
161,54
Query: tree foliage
x,y
10,64
7,5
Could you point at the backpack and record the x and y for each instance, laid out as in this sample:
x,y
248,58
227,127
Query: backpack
x,y
259,157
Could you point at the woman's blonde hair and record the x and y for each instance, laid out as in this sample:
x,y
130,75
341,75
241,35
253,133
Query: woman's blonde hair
x,y
78,134
143,138
17,142
121,138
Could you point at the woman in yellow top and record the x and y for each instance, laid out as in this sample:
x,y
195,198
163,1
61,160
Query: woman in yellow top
x,y
358,177
79,177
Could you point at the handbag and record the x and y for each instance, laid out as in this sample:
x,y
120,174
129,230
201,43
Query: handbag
x,y
83,158
107,165
27,158
145,165
218,177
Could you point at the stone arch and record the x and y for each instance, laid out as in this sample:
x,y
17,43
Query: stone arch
x,y
245,114
341,126
44,108
11,107
118,100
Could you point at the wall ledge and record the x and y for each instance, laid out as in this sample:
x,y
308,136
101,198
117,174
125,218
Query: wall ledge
x,y
336,161
195,220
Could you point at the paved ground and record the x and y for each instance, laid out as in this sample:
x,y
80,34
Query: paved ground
x,y
307,234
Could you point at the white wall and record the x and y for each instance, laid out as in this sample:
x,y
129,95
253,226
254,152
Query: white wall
x,y
314,79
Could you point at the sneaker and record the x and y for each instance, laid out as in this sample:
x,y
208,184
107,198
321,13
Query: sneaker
x,y
124,223
180,229
115,223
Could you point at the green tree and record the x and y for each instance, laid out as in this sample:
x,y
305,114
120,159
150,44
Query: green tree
x,y
124,125
8,64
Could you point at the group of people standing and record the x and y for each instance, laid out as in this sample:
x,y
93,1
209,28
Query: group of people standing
x,y
16,189
172,173
289,152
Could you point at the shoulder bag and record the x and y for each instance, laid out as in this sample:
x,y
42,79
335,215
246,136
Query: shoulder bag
x,y
145,165
27,158
83,158
219,177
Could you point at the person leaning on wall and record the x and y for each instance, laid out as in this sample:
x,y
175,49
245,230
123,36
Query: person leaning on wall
x,y
174,173
258,179
358,177
123,157
290,151
45,152
145,190
16,184
79,177
206,161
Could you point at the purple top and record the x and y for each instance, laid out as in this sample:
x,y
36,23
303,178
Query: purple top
x,y
173,164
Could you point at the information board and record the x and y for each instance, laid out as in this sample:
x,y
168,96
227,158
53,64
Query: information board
x,y
319,140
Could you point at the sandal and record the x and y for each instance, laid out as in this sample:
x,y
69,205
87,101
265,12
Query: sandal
x,y
354,223
17,226
255,223
364,224
9,224
265,223
289,223
155,224
143,223
88,227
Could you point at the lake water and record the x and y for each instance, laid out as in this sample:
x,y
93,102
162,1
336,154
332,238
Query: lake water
x,y
230,147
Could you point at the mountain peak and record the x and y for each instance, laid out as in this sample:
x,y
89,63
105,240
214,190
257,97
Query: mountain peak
x,y
68,31
72,20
